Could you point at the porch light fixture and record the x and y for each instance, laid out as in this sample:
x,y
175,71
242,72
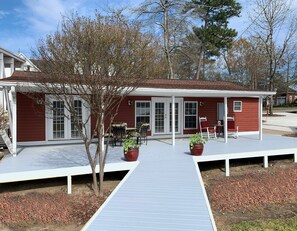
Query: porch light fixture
x,y
201,104
130,102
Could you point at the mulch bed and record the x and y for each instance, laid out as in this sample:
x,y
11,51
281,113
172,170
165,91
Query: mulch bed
x,y
291,135
253,189
48,208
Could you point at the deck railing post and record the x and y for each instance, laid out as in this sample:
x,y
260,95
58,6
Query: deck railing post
x,y
69,184
227,167
265,161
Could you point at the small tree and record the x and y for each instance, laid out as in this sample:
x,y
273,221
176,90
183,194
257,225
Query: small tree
x,y
98,60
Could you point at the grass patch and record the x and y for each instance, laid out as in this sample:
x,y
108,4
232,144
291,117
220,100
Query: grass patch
x,y
289,224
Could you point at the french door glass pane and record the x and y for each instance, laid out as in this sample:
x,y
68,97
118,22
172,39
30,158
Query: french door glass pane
x,y
58,120
76,120
176,116
159,117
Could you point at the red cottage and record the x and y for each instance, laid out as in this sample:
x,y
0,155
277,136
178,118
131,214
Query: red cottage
x,y
151,103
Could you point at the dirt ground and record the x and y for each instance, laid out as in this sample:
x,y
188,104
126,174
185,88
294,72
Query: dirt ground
x,y
251,192
45,204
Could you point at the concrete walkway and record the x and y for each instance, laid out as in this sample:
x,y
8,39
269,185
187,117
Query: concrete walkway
x,y
164,192
285,122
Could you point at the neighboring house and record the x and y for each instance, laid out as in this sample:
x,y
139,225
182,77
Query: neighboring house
x,y
150,103
28,65
285,97
9,62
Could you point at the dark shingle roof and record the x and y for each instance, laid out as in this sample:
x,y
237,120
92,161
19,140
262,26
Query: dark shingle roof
x,y
25,76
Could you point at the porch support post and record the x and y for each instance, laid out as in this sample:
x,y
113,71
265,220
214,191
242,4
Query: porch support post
x,y
2,72
295,157
1,66
227,167
103,137
265,161
69,184
225,119
260,118
173,120
14,120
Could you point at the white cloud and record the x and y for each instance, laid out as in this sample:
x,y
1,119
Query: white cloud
x,y
3,13
43,16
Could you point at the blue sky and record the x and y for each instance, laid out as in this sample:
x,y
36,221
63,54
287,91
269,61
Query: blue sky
x,y
23,22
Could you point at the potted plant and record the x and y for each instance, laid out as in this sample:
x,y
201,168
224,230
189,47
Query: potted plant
x,y
197,144
131,149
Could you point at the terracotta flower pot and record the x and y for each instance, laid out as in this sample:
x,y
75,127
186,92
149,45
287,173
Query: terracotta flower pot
x,y
132,154
197,149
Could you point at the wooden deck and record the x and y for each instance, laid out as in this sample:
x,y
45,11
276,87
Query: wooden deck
x,y
163,191
44,162
248,147
166,192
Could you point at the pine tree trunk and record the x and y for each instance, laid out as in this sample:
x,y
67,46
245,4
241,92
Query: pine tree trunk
x,y
167,42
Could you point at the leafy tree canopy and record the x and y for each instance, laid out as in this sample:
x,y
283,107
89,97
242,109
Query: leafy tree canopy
x,y
214,33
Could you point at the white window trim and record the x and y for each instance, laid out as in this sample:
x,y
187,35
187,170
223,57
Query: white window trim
x,y
235,110
196,102
49,120
142,101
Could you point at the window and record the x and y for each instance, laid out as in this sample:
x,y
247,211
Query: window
x,y
142,112
78,108
237,106
190,115
58,120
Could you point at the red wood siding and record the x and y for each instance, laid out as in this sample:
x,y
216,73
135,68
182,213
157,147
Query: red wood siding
x,y
30,119
126,112
247,120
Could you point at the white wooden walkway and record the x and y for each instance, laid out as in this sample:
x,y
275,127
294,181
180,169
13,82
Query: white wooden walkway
x,y
164,192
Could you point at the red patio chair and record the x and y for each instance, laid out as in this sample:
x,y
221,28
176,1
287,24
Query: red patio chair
x,y
205,128
231,128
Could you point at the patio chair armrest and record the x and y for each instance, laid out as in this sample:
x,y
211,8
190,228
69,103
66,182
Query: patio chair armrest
x,y
205,129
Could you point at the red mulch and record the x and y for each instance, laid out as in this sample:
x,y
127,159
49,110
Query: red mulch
x,y
253,189
291,135
48,208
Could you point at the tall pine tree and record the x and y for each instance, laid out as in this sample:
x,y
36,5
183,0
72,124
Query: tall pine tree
x,y
213,33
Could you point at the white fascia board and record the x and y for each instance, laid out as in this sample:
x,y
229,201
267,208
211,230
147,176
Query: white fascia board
x,y
15,84
10,54
198,93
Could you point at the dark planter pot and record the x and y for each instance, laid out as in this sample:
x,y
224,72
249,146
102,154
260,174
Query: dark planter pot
x,y
197,149
132,154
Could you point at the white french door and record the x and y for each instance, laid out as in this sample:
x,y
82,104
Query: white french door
x,y
162,115
61,124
